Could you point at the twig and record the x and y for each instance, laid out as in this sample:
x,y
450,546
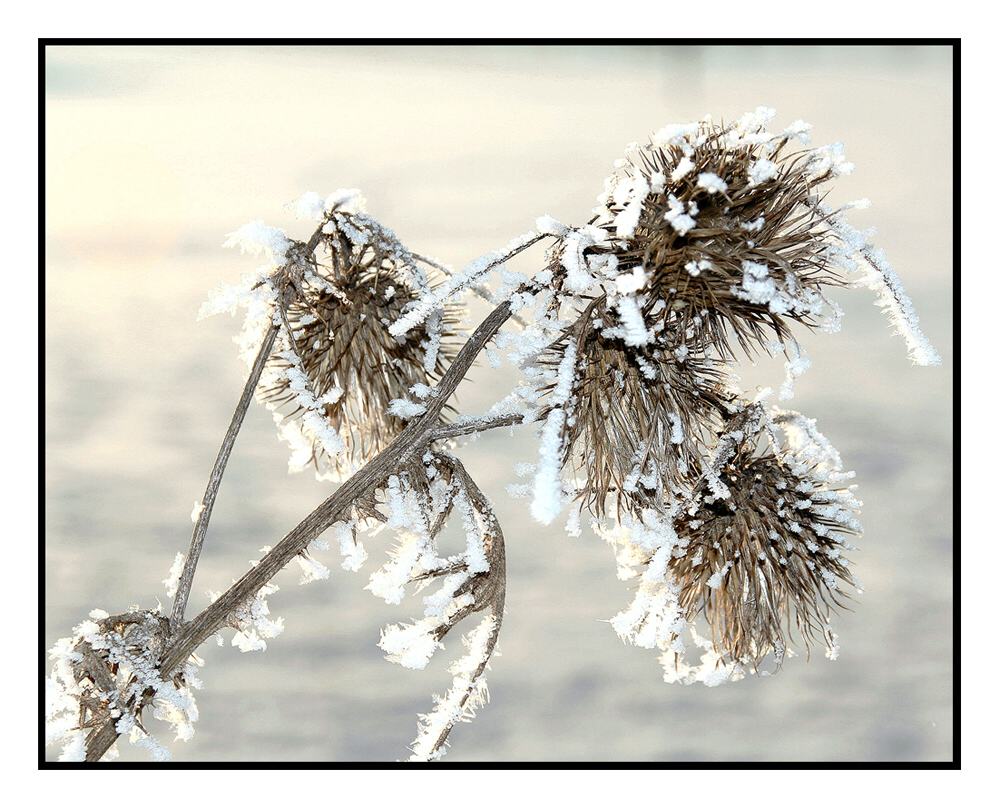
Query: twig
x,y
497,594
477,426
215,480
283,274
479,289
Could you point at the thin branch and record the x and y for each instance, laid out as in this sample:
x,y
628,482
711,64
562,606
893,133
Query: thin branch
x,y
497,596
413,438
468,278
215,480
481,290
476,426
283,276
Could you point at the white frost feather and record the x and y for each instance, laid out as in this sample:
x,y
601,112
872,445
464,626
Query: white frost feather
x,y
891,297
467,693
548,493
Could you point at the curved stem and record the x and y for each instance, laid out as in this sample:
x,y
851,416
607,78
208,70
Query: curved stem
x,y
498,567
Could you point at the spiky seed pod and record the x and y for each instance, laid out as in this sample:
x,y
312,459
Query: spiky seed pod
x,y
765,539
724,222
340,328
638,417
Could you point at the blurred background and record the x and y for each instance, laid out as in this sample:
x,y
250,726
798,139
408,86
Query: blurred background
x,y
154,154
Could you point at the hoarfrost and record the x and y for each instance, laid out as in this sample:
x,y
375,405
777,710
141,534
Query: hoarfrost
x,y
174,576
548,490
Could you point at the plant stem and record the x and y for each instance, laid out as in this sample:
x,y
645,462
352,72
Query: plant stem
x,y
477,425
222,459
479,289
215,480
498,568
413,438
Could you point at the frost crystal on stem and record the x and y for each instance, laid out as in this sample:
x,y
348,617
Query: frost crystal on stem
x,y
548,479
108,671
467,694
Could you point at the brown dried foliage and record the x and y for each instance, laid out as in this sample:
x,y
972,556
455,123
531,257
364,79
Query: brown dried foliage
x,y
488,589
620,425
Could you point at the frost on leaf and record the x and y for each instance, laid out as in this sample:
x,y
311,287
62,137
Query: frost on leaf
x,y
418,505
877,274
467,694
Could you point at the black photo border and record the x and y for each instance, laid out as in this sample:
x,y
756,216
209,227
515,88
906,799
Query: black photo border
x,y
953,43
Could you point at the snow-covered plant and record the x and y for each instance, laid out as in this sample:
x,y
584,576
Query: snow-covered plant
x,y
733,516
107,673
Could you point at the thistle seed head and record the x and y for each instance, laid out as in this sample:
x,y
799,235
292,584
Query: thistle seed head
x,y
766,560
339,324
721,227
639,419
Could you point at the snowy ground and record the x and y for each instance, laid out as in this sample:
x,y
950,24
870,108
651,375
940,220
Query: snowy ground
x,y
155,155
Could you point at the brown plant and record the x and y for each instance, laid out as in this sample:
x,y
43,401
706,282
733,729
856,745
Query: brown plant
x,y
755,236
639,419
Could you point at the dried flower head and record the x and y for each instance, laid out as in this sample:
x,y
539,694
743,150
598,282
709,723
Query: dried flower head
x,y
764,538
715,232
341,370
638,418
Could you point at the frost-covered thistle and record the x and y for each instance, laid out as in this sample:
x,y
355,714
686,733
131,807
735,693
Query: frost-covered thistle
x,y
731,516
721,223
362,281
638,419
335,370
764,538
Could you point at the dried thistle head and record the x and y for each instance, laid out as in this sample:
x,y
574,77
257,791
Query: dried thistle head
x,y
764,538
721,226
638,417
360,282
